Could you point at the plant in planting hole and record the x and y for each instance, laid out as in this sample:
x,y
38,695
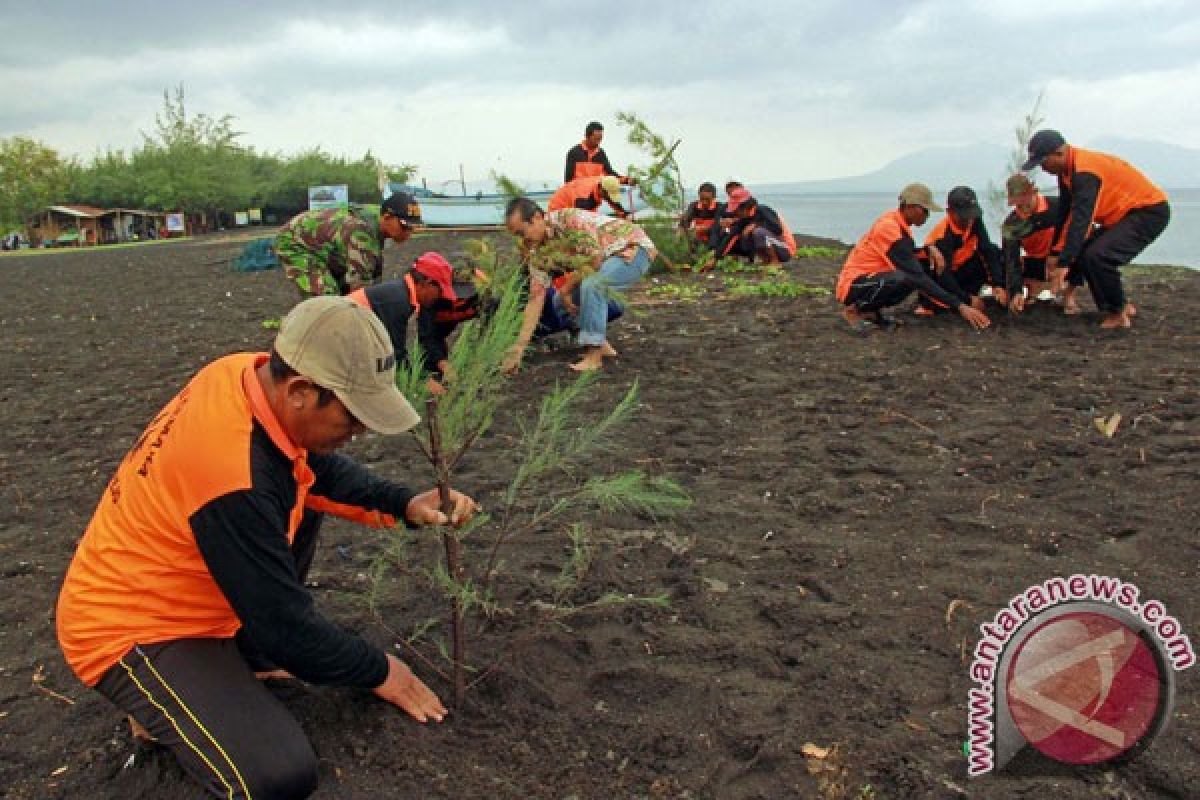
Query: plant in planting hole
x,y
544,484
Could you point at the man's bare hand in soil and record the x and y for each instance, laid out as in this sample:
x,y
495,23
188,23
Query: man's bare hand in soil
x,y
404,689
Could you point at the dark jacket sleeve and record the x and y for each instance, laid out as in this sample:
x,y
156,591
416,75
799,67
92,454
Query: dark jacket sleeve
x,y
948,244
903,255
990,254
685,219
608,169
1085,188
242,538
769,219
432,336
344,480
1012,231
572,159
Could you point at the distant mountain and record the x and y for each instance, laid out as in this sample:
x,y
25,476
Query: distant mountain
x,y
1168,165
1171,166
939,167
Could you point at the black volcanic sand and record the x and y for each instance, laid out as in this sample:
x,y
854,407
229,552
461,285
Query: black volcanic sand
x,y
847,490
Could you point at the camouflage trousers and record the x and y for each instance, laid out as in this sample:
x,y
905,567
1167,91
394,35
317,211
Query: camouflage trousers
x,y
305,268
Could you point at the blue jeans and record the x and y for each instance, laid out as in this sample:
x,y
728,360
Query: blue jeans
x,y
615,274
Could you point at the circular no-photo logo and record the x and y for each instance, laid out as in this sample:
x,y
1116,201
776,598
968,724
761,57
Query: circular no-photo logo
x,y
1084,688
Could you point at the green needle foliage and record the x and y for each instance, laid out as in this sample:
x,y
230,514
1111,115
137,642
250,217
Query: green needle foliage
x,y
547,485
660,184
997,197
772,287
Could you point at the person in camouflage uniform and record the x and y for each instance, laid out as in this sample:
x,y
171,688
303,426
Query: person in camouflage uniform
x,y
337,250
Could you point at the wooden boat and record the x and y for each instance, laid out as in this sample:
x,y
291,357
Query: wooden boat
x,y
473,210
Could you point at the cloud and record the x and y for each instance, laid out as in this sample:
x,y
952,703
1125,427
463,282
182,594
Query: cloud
x,y
776,90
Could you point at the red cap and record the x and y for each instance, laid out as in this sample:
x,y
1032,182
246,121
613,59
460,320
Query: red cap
x,y
438,270
737,198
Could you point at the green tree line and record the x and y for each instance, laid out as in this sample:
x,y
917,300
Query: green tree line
x,y
187,163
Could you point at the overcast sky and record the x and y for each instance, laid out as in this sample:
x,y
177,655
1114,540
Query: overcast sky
x,y
763,91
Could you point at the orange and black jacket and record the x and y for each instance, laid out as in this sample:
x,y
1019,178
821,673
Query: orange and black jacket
x,y
887,247
584,193
446,315
191,537
584,163
699,219
394,302
766,218
1033,234
1098,189
960,244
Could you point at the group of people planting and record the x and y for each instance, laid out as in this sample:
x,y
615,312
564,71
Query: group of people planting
x,y
1105,214
188,586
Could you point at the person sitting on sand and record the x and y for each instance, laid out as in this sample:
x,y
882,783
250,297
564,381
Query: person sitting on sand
x,y
588,194
756,232
698,218
418,292
882,269
613,255
189,582
970,258
1028,238
334,251
1109,213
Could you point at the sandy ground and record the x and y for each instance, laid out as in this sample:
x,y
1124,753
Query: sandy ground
x,y
848,490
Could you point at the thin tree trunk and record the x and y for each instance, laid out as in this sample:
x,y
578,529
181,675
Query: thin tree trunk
x,y
454,564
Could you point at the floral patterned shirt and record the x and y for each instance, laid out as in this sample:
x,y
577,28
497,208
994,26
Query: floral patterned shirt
x,y
576,238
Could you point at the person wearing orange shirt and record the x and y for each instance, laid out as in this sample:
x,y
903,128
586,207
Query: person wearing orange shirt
x,y
190,577
1109,213
588,194
588,159
700,216
756,232
1028,239
418,291
882,269
971,259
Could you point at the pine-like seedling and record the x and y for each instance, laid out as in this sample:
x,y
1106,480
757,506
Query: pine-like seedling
x,y
546,483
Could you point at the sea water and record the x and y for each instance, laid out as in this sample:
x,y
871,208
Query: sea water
x,y
848,216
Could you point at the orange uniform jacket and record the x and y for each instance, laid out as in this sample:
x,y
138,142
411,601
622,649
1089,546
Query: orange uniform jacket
x,y
1098,189
585,163
959,244
582,193
699,219
190,538
888,246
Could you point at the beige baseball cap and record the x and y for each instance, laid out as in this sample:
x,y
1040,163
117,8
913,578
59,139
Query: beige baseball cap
x,y
343,347
611,186
918,194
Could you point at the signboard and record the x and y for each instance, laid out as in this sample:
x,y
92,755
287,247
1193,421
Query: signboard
x,y
241,218
175,222
328,197
255,215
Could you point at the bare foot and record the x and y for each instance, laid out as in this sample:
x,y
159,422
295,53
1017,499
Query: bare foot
x,y
1121,319
1070,304
607,351
275,674
139,731
1130,310
591,361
